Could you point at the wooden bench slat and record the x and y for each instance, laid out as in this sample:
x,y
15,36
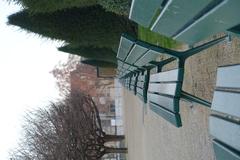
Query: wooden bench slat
x,y
167,76
227,102
163,88
137,51
217,20
177,15
143,11
169,103
224,153
228,76
225,131
125,45
148,57
173,118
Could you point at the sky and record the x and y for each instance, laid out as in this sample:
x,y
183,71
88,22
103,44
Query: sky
x,y
25,81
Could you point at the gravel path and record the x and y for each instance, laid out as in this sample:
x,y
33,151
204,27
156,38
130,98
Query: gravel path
x,y
149,137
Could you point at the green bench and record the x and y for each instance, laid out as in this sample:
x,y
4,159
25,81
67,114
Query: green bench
x,y
133,83
164,88
224,122
187,21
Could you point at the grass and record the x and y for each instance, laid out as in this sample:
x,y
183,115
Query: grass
x,y
145,34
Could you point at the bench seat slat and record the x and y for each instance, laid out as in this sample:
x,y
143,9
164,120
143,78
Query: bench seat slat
x,y
163,88
125,45
225,131
228,76
169,103
227,102
177,15
218,20
167,76
137,51
224,153
171,117
143,11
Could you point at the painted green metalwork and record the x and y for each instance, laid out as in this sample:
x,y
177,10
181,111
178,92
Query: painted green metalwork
x,y
163,90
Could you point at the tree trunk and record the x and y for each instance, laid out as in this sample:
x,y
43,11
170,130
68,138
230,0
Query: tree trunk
x,y
108,138
115,150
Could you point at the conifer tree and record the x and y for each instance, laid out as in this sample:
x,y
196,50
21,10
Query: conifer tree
x,y
90,26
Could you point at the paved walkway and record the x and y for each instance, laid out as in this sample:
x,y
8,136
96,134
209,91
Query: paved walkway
x,y
149,137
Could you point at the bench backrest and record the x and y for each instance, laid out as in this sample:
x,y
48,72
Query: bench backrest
x,y
133,54
224,122
207,17
143,11
164,94
133,83
219,19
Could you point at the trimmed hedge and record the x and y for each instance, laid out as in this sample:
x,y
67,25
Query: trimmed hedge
x,y
90,26
104,54
43,6
98,63
120,7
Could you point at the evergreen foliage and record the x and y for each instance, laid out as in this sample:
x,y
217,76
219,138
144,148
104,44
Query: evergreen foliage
x,y
98,63
104,54
90,26
120,7
44,6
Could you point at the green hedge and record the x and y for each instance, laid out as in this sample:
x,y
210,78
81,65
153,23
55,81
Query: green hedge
x,y
90,26
121,7
98,63
43,6
91,52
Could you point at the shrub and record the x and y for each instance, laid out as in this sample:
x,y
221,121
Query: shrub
x,y
104,54
90,26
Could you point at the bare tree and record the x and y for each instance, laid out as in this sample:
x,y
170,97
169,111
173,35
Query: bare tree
x,y
67,130
62,73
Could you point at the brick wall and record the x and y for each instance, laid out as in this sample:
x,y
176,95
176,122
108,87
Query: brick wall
x,y
85,79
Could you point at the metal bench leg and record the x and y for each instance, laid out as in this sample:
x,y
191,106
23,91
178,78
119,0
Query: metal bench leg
x,y
202,47
194,99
